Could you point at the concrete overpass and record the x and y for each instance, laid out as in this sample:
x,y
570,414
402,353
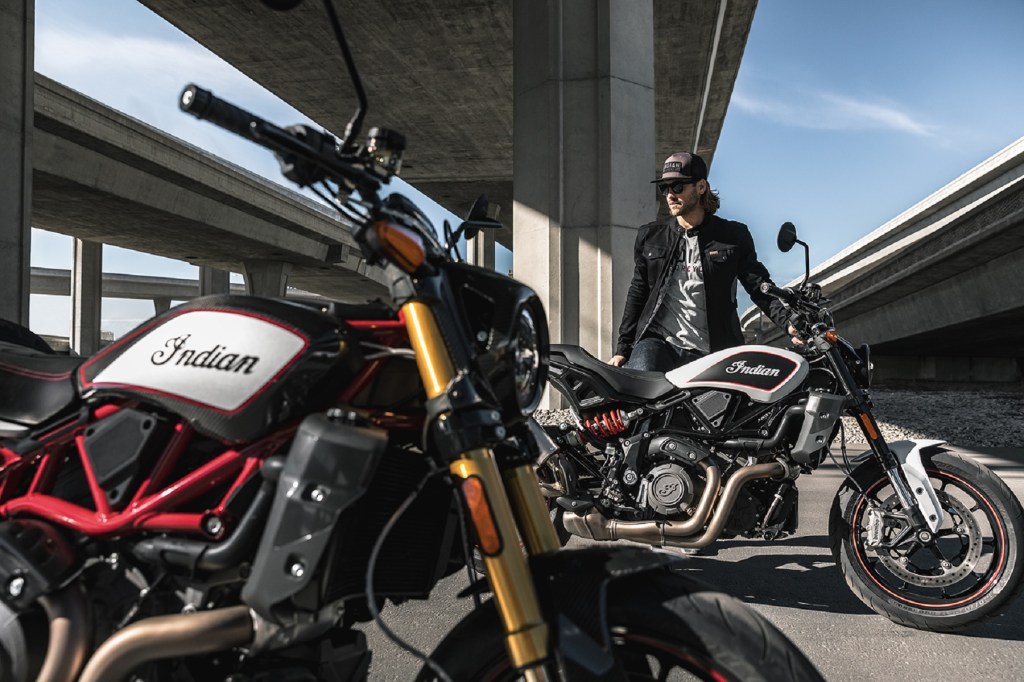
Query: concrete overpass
x,y
104,177
574,103
161,290
938,291
444,72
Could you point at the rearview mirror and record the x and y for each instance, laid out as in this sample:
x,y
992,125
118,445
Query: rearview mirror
x,y
787,237
477,219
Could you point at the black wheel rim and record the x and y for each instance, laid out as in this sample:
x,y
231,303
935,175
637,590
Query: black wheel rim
x,y
962,564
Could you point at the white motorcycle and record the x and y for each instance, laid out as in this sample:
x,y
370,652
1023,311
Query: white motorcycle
x,y
714,448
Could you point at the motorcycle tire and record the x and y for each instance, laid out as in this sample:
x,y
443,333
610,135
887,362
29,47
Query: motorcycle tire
x,y
660,622
970,571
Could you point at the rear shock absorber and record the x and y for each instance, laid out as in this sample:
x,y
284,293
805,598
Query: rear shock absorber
x,y
610,423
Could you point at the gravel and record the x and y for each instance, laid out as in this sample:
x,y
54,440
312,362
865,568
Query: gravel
x,y
980,418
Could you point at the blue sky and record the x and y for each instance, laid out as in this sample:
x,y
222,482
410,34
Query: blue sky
x,y
843,115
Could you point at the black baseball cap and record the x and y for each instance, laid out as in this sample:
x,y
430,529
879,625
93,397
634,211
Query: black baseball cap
x,y
683,166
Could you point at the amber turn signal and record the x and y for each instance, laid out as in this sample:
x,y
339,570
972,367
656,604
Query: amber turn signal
x,y
832,336
483,520
401,246
869,428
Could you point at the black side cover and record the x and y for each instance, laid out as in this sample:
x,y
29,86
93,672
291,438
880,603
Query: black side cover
x,y
35,559
120,446
328,468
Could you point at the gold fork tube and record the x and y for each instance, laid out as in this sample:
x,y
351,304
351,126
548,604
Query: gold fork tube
x,y
525,630
432,359
531,511
526,633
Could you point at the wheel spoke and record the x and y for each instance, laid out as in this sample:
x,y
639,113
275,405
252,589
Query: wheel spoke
x,y
936,552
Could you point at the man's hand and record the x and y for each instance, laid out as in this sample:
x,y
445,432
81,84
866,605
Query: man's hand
x,y
617,361
795,336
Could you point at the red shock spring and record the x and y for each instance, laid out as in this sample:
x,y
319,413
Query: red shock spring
x,y
606,425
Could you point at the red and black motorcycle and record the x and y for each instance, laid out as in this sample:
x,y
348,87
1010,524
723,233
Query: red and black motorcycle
x,y
228,490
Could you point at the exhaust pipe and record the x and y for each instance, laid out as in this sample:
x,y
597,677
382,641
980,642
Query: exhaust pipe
x,y
68,613
190,634
671,533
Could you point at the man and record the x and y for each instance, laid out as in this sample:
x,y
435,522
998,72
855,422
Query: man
x,y
681,303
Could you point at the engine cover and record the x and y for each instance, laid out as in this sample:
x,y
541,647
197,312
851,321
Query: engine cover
x,y
670,490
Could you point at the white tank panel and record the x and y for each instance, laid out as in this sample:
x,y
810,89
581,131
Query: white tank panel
x,y
215,358
765,373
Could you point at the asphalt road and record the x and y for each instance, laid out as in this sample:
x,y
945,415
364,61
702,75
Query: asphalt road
x,y
796,585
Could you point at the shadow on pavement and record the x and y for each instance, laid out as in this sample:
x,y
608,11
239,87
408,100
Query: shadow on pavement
x,y
810,581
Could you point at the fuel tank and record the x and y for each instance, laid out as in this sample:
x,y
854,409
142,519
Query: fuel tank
x,y
764,373
233,366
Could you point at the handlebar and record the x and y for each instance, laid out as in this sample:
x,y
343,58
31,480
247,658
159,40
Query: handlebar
x,y
784,294
205,105
317,150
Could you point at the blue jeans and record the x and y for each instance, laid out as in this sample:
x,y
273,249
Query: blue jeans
x,y
658,355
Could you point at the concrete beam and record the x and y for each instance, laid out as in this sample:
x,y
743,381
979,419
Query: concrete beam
x,y
213,281
86,296
584,134
57,282
17,43
266,277
480,249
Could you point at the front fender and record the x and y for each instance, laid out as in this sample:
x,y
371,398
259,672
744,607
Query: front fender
x,y
572,586
908,452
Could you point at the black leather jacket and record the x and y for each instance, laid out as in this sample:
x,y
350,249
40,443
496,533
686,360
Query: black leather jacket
x,y
727,256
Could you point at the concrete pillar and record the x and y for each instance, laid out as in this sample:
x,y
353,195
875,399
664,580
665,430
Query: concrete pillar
x,y
480,249
213,281
161,304
266,277
86,296
583,150
17,38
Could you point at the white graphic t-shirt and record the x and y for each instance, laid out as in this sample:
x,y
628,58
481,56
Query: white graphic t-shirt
x,y
682,318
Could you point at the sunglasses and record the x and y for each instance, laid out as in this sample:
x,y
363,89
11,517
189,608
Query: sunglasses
x,y
674,187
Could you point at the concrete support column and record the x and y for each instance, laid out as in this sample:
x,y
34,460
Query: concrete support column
x,y
583,149
17,43
266,277
86,296
213,281
480,249
161,304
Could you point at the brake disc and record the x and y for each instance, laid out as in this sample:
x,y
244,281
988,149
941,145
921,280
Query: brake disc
x,y
946,571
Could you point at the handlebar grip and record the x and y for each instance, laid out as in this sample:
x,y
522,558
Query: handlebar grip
x,y
205,105
771,289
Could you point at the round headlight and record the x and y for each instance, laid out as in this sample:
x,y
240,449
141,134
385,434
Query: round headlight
x,y
526,357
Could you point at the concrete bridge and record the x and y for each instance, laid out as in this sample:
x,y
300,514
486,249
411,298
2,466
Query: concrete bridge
x,y
160,290
570,102
938,291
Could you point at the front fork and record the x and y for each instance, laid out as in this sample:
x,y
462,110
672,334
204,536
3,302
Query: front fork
x,y
503,509
908,480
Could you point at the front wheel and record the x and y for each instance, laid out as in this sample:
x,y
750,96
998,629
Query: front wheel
x,y
663,626
969,570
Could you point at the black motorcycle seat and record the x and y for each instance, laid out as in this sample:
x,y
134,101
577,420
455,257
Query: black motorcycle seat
x,y
631,383
35,386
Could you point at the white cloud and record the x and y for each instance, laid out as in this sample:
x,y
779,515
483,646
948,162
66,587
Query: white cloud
x,y
832,111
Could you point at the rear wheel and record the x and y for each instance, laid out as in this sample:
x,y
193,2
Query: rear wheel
x,y
971,568
663,626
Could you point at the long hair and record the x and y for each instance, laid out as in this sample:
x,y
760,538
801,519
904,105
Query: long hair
x,y
709,201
